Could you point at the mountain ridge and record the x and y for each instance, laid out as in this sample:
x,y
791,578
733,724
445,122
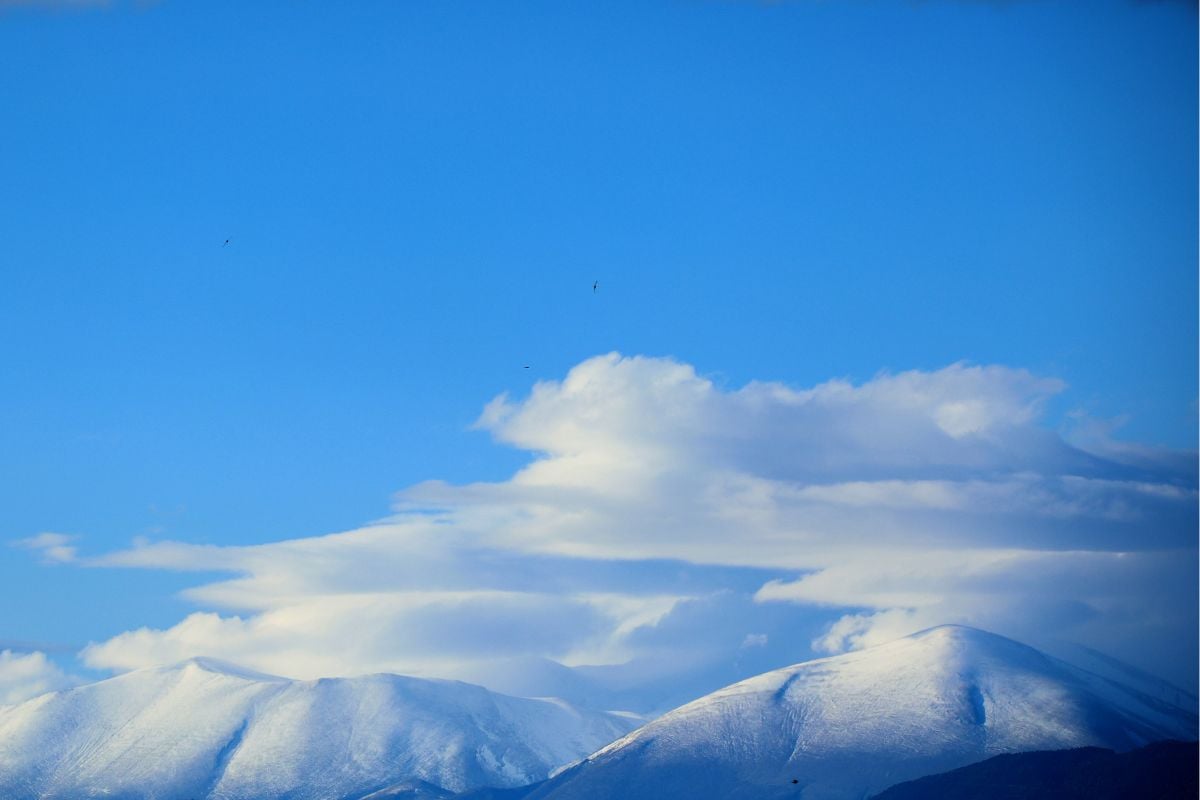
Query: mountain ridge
x,y
206,728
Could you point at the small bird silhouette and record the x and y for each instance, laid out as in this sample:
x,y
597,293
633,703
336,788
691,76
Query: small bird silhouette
x,y
526,366
595,286
226,242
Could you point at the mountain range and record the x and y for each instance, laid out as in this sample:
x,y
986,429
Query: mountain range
x,y
206,729
836,728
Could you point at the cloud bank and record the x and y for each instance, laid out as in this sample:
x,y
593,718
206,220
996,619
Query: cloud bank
x,y
669,524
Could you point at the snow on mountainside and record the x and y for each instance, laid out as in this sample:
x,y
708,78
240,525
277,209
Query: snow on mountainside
x,y
852,725
204,729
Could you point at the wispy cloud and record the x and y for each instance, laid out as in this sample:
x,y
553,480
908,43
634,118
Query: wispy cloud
x,y
54,548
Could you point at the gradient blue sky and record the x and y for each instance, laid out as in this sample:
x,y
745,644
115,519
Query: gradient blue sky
x,y
420,195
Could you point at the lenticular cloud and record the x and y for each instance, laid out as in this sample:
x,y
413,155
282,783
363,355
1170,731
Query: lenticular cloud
x,y
655,499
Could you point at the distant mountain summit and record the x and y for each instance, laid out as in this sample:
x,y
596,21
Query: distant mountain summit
x,y
206,729
852,725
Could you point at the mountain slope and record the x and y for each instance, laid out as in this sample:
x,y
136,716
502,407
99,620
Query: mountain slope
x,y
854,724
1158,771
203,729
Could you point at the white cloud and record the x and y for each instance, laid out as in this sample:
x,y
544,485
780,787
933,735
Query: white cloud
x,y
420,632
26,675
657,504
55,548
1129,599
755,640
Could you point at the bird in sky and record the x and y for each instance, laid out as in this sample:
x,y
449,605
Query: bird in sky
x,y
595,286
226,242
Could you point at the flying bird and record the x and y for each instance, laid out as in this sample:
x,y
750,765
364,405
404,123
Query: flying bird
x,y
226,242
595,286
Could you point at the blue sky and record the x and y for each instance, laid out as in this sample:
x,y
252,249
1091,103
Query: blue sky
x,y
419,196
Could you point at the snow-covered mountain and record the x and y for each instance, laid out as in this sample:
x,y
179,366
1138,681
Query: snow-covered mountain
x,y
204,729
852,725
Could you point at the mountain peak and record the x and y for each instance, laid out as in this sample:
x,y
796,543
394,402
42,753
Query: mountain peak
x,y
964,634
950,644
850,725
954,630
217,666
